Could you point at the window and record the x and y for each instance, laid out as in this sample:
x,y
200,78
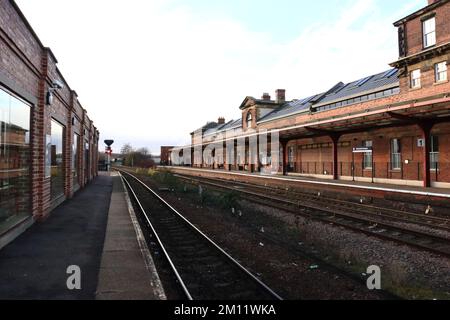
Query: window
x,y
415,78
429,32
367,158
441,71
75,153
249,120
57,168
396,157
15,161
87,163
434,152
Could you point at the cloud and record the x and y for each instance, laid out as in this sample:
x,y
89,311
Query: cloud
x,y
150,72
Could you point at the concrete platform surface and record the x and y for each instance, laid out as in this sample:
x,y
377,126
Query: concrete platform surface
x,y
34,266
127,271
97,232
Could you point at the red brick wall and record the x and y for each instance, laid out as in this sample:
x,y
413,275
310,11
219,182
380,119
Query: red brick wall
x,y
414,29
381,145
28,70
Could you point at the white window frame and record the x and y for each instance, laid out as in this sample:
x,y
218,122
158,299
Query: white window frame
x,y
429,32
367,156
249,120
396,157
434,153
440,71
416,79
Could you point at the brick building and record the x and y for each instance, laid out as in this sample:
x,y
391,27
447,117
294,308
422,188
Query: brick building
x,y
391,127
48,144
165,155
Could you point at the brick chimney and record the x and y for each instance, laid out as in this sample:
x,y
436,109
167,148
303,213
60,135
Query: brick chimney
x,y
266,96
221,120
281,95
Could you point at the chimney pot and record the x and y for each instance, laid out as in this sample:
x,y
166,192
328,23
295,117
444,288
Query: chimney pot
x,y
221,120
281,95
266,96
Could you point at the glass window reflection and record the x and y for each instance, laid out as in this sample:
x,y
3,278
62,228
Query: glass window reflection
x,y
57,170
15,161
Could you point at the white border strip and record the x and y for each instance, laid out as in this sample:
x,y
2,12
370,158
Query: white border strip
x,y
155,281
422,193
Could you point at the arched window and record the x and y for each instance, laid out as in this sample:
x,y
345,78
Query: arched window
x,y
249,120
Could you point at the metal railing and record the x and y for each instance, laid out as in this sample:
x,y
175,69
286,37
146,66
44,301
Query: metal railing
x,y
410,170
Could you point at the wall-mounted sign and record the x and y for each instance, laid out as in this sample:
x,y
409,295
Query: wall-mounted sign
x,y
362,150
421,143
48,156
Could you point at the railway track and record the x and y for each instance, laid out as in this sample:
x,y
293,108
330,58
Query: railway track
x,y
438,223
343,214
203,270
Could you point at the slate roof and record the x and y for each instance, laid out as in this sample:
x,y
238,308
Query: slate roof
x,y
337,93
370,83
288,108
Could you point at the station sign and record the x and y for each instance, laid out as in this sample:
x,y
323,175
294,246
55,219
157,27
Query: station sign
x,y
363,150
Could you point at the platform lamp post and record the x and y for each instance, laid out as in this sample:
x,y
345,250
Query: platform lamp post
x,y
108,153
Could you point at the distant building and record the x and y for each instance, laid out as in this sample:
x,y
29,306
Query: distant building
x,y
165,155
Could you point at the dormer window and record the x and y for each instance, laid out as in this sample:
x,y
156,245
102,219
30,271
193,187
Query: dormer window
x,y
429,32
249,120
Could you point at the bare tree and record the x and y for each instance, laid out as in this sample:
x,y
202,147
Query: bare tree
x,y
127,148
140,157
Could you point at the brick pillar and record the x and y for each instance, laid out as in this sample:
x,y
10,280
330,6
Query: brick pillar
x,y
68,148
335,139
426,134
82,150
285,156
38,142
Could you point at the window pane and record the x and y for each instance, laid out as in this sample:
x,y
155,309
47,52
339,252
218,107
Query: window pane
x,y
429,25
429,32
15,161
434,144
75,147
57,170
441,71
395,154
367,157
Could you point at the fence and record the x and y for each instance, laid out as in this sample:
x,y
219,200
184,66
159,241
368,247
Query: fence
x,y
412,170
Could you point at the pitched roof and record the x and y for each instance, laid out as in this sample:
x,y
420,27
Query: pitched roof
x,y
339,92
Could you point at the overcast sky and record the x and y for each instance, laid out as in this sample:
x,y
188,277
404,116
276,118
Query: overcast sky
x,y
151,71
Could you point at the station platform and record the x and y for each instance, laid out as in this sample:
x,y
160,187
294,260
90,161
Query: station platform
x,y
405,189
401,197
95,231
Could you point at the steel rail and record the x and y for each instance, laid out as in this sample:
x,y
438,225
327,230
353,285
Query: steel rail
x,y
172,265
345,216
204,236
393,213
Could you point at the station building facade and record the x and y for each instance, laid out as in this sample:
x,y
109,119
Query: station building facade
x,y
391,127
48,144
